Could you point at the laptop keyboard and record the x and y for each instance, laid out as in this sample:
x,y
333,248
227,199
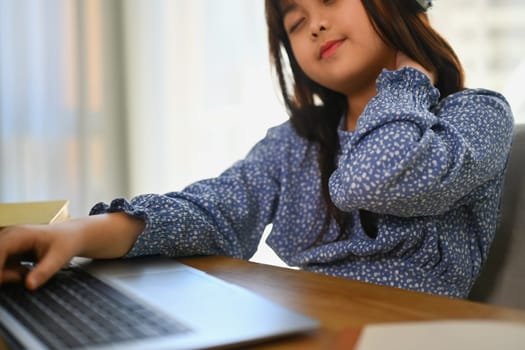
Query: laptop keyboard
x,y
76,310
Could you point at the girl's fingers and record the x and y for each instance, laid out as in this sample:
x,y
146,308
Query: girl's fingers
x,y
13,275
50,263
11,252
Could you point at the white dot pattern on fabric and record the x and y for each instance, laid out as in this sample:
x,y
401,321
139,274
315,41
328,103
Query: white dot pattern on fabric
x,y
431,172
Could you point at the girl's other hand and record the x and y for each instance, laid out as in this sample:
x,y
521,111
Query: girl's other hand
x,y
50,248
104,236
402,60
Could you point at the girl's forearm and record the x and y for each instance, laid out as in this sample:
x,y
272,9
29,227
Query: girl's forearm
x,y
106,236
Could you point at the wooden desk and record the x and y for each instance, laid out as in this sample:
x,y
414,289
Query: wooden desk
x,y
340,304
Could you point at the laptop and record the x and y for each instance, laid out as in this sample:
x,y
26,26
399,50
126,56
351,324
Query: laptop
x,y
145,303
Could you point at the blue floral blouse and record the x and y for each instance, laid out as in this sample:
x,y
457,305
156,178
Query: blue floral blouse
x,y
430,171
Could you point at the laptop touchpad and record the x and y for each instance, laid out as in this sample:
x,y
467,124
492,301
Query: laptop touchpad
x,y
188,292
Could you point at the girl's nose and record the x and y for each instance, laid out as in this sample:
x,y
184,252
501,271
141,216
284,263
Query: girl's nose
x,y
316,32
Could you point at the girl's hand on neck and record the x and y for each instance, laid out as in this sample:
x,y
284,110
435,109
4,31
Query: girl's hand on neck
x,y
403,60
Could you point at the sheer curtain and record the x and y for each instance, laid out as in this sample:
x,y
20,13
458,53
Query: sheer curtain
x,y
61,102
488,37
200,92
115,98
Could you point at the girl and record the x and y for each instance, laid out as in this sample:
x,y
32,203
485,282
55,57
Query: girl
x,y
389,171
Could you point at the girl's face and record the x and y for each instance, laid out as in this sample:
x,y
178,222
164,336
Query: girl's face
x,y
335,43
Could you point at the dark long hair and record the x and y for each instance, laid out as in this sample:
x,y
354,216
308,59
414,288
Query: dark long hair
x,y
315,111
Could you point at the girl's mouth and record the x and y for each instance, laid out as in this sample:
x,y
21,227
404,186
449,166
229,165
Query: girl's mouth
x,y
329,48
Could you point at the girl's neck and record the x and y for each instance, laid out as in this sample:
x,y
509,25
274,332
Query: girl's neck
x,y
356,105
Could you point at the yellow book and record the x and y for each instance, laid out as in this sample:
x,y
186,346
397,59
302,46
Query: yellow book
x,y
45,212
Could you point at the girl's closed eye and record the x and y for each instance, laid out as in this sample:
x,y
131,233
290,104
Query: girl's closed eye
x,y
296,25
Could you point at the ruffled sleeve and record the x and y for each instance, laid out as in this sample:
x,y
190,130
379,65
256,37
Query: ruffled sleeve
x,y
225,215
413,156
